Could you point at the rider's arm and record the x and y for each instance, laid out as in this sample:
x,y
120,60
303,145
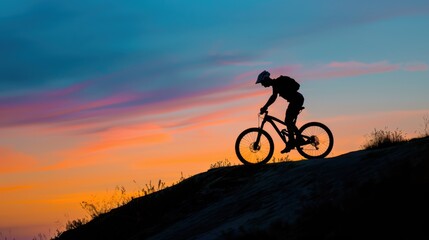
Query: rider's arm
x,y
270,101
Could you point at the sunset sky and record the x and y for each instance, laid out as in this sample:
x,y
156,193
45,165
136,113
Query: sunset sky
x,y
97,94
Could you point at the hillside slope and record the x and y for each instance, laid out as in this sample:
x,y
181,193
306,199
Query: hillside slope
x,y
363,194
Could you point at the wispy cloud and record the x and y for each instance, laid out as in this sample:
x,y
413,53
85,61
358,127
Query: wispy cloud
x,y
126,136
348,69
416,67
55,107
70,108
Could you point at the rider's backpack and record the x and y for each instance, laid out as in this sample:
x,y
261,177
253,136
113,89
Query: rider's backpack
x,y
288,83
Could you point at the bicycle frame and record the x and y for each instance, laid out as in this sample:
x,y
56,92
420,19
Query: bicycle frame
x,y
301,139
272,120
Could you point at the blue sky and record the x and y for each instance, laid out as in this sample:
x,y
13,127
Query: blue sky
x,y
102,90
51,44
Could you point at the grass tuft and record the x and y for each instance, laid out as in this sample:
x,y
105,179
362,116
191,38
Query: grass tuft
x,y
425,132
281,159
219,164
384,138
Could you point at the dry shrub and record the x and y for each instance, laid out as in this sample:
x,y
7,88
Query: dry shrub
x,y
384,138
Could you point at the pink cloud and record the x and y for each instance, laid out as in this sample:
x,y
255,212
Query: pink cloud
x,y
58,106
202,120
287,70
63,110
417,67
128,126
127,135
215,96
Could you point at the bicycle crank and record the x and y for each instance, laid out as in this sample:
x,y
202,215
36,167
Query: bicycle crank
x,y
315,142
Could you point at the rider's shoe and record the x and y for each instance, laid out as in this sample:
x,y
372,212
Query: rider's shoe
x,y
288,148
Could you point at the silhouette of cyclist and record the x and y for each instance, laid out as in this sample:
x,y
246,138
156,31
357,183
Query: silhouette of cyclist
x,y
295,99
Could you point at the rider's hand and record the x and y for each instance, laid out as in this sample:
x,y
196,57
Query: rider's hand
x,y
263,110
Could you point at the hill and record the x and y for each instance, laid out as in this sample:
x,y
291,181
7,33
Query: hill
x,y
380,193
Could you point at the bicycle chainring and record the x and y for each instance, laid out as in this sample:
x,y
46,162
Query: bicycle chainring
x,y
315,141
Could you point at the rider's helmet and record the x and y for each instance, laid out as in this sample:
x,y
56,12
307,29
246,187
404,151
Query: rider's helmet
x,y
264,75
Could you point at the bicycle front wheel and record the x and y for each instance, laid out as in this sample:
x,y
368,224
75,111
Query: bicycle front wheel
x,y
251,152
317,140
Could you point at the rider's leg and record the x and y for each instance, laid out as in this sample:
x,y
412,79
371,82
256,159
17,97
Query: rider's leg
x,y
294,108
291,115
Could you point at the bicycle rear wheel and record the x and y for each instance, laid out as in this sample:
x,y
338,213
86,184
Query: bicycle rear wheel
x,y
250,152
317,140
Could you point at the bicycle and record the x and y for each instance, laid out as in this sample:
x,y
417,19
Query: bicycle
x,y
255,145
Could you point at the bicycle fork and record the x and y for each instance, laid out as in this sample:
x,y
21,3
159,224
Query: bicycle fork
x,y
256,146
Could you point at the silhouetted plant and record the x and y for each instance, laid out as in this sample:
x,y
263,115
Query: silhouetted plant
x,y
40,236
181,179
90,208
223,163
96,207
75,223
58,235
151,188
425,132
281,159
384,138
3,237
119,198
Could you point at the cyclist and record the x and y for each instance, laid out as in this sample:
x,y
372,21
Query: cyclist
x,y
286,89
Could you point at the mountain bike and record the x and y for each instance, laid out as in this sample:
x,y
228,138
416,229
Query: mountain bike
x,y
255,145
